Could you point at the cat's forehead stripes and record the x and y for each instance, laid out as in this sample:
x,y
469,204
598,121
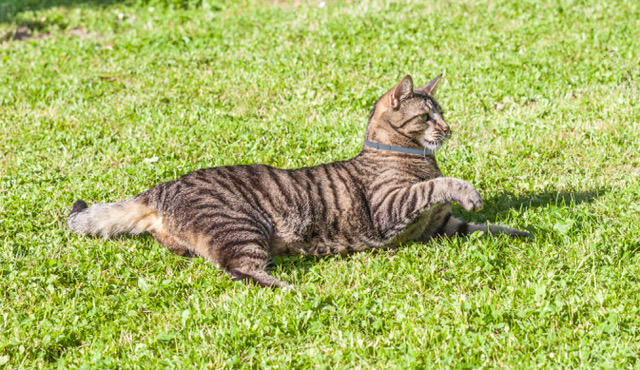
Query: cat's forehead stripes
x,y
429,102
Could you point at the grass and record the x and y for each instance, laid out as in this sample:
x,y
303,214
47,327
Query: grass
x,y
102,100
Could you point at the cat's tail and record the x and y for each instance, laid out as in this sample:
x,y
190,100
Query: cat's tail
x,y
109,219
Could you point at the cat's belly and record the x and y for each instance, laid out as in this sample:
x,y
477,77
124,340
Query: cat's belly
x,y
289,242
425,226
314,244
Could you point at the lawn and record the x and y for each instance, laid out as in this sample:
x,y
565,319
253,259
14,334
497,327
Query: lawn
x,y
101,100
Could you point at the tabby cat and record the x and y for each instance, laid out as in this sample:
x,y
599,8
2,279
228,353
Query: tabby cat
x,y
240,216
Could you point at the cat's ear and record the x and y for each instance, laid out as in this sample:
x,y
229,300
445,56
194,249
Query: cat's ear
x,y
403,90
430,88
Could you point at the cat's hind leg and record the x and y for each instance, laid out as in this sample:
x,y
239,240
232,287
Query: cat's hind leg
x,y
244,258
248,261
258,276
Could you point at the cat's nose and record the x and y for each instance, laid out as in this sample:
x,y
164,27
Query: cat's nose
x,y
446,130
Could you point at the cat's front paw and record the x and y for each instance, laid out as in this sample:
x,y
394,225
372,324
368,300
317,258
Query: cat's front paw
x,y
472,201
467,196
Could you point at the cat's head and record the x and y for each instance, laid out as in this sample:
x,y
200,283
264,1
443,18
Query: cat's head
x,y
409,117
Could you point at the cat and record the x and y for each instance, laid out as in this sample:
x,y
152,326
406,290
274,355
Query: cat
x,y
240,216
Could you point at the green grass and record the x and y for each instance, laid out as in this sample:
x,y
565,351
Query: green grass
x,y
543,99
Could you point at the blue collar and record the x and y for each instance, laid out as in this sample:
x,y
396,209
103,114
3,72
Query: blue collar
x,y
399,149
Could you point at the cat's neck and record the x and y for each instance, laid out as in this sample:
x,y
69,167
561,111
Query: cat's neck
x,y
397,149
394,145
423,166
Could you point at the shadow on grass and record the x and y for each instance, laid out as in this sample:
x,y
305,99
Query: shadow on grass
x,y
558,198
28,25
504,201
9,9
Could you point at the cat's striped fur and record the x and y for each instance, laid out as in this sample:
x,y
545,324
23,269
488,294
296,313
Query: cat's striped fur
x,y
240,216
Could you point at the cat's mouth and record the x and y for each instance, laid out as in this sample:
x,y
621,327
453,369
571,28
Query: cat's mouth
x,y
433,144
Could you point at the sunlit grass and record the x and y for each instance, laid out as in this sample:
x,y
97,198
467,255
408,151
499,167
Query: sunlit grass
x,y
102,101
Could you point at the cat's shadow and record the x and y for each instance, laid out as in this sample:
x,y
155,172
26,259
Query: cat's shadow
x,y
498,204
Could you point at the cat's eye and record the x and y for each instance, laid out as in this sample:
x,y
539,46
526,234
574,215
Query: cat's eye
x,y
425,117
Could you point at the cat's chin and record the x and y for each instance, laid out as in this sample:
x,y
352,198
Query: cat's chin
x,y
431,145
